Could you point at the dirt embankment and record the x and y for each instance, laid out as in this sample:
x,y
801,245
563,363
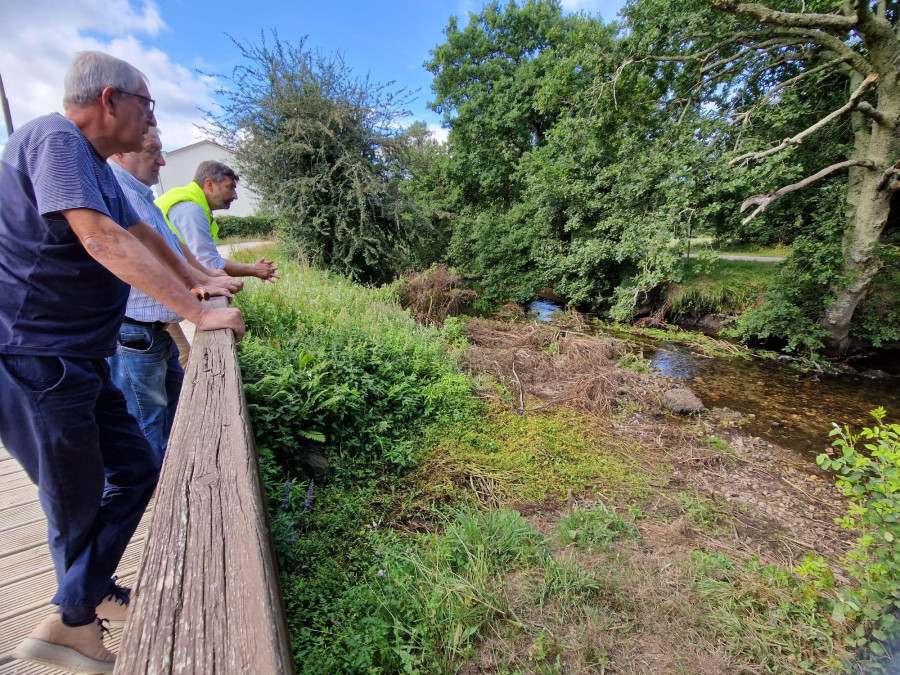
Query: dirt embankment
x,y
775,506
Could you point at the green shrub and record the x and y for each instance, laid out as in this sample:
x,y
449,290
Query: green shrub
x,y
870,476
877,318
329,361
764,614
246,226
594,528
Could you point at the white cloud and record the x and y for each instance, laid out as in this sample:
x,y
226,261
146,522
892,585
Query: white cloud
x,y
606,8
33,66
438,133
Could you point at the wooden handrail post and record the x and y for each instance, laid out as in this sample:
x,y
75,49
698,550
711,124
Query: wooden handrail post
x,y
207,598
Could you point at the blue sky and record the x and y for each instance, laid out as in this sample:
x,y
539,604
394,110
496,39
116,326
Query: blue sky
x,y
170,40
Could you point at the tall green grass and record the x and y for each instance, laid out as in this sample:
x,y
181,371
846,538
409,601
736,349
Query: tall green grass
x,y
391,570
719,287
329,361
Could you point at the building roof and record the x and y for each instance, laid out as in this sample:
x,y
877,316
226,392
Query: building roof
x,y
194,145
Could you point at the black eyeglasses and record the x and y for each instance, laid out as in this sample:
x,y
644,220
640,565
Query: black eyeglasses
x,y
150,105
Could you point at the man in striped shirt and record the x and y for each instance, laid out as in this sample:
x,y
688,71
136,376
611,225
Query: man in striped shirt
x,y
70,247
146,363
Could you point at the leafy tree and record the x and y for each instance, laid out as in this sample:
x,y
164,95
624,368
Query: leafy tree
x,y
486,77
325,152
744,58
426,161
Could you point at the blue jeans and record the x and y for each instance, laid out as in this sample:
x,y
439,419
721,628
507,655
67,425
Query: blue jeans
x,y
67,424
145,367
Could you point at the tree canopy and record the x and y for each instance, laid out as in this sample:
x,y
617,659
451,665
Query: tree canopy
x,y
583,154
327,154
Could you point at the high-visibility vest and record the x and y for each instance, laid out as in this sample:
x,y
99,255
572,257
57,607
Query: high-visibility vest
x,y
187,193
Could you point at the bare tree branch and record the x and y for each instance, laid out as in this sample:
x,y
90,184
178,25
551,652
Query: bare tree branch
x,y
852,103
869,111
833,22
726,73
765,45
836,45
887,175
762,202
875,28
826,40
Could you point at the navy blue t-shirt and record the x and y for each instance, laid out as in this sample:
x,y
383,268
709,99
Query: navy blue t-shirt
x,y
55,299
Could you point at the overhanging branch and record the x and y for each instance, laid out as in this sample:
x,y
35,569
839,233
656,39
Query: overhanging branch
x,y
833,22
869,111
852,103
762,202
787,83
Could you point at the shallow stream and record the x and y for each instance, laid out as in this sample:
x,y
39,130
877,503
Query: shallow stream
x,y
789,407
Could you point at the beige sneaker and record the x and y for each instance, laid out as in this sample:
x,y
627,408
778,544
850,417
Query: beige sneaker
x,y
78,650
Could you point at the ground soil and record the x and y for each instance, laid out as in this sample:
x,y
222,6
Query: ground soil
x,y
781,506
757,500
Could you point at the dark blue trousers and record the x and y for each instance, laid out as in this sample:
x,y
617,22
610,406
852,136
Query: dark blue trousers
x,y
68,426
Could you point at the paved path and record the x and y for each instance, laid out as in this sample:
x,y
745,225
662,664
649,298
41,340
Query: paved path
x,y
27,580
754,258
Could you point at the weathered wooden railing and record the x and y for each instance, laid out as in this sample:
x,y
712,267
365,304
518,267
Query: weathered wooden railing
x,y
207,598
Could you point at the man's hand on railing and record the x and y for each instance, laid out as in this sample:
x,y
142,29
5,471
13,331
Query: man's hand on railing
x,y
211,291
215,318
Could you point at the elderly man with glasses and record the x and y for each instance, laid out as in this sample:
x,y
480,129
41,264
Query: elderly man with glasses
x,y
70,246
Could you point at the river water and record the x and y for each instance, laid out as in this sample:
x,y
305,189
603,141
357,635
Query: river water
x,y
792,408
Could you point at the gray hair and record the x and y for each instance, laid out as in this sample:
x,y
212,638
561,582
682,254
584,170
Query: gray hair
x,y
216,171
92,72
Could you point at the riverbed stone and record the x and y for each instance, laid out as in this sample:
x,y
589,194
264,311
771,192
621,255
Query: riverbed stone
x,y
682,401
875,374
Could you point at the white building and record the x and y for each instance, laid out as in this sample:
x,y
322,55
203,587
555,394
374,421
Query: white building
x,y
182,163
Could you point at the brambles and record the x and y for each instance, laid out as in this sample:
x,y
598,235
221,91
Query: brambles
x,y
871,479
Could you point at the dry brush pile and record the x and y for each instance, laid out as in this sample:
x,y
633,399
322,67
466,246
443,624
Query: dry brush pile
x,y
542,365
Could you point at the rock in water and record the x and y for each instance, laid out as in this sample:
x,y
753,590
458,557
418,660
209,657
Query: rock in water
x,y
682,402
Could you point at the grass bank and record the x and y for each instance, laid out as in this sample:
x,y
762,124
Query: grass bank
x,y
724,287
510,499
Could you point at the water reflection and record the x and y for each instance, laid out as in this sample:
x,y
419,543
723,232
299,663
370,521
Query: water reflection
x,y
543,309
792,408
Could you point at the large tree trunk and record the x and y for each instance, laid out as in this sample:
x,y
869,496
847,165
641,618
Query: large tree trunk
x,y
869,201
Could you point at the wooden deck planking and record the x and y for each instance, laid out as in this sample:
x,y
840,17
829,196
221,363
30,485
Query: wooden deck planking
x,y
27,580
26,512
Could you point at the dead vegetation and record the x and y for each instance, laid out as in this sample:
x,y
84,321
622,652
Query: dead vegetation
x,y
781,507
545,365
691,592
432,295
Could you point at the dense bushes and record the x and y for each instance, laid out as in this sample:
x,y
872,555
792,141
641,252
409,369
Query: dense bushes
x,y
246,226
346,366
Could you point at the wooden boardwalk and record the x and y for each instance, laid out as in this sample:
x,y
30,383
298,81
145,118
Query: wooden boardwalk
x,y
27,581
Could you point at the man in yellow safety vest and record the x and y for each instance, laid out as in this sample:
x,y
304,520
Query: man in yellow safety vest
x,y
188,210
